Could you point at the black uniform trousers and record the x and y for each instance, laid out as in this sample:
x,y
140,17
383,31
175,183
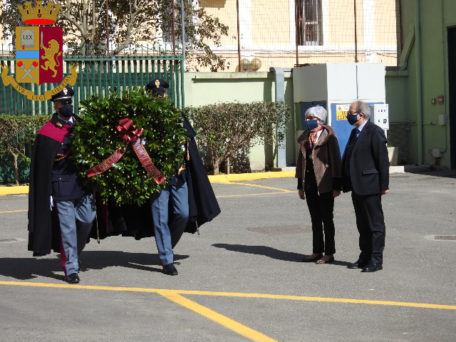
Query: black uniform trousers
x,y
371,227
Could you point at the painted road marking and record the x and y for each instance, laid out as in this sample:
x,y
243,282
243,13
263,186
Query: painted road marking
x,y
256,194
222,179
220,196
320,299
13,211
261,186
176,297
237,294
277,191
215,316
172,295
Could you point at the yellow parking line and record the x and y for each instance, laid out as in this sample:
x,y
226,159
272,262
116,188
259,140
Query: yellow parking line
x,y
13,211
237,327
320,299
282,191
261,186
172,295
236,294
250,176
256,194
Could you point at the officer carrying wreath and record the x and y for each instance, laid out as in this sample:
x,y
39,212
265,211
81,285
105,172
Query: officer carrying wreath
x,y
61,210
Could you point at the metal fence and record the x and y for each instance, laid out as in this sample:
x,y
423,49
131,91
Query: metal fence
x,y
97,74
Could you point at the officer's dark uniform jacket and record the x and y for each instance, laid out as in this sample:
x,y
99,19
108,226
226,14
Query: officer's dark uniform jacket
x,y
203,205
49,177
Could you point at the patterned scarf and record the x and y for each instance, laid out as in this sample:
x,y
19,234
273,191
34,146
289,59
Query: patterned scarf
x,y
313,137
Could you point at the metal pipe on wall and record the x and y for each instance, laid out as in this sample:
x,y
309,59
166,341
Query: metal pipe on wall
x,y
356,32
173,27
238,36
296,32
107,26
279,87
445,72
419,81
183,52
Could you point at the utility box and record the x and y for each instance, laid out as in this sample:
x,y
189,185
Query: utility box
x,y
335,87
380,116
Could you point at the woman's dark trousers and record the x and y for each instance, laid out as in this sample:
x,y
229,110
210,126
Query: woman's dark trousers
x,y
321,207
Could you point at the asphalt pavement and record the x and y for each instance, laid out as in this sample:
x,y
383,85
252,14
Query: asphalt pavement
x,y
241,279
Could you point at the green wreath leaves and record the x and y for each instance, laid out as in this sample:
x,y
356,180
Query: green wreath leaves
x,y
96,138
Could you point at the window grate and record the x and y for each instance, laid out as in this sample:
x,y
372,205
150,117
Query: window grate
x,y
308,22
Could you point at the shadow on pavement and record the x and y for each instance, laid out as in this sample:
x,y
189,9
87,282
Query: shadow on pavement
x,y
30,268
430,171
262,250
271,253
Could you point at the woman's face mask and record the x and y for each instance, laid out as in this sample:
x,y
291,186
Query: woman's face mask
x,y
310,125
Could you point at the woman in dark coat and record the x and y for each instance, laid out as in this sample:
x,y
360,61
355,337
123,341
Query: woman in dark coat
x,y
318,170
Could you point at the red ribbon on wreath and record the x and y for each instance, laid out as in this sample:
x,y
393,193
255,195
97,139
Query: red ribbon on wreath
x,y
129,133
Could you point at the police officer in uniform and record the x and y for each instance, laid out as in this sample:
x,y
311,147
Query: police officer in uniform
x,y
168,232
57,197
187,202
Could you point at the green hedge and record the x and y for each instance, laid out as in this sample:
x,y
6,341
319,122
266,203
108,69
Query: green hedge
x,y
227,130
225,133
17,133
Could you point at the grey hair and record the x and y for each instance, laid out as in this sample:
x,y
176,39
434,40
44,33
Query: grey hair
x,y
363,107
318,112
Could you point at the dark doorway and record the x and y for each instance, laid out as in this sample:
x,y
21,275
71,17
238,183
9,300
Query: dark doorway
x,y
452,97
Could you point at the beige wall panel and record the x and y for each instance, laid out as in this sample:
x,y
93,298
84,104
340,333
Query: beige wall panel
x,y
385,23
341,23
270,22
288,60
225,11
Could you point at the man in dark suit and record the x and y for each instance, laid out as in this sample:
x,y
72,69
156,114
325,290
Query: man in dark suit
x,y
365,172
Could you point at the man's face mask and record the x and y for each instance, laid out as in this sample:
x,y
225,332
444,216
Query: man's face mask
x,y
66,110
352,118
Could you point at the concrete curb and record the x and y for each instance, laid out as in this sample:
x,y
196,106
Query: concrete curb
x,y
14,190
250,176
23,189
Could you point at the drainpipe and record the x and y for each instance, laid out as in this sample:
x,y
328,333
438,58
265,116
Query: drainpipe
x,y
183,53
419,81
279,82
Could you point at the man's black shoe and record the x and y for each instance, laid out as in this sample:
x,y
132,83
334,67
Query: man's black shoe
x,y
372,268
357,264
169,269
72,278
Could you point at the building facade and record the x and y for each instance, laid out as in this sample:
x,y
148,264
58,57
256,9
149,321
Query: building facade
x,y
284,33
423,88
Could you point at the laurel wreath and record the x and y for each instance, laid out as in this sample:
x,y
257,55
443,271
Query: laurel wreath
x,y
96,138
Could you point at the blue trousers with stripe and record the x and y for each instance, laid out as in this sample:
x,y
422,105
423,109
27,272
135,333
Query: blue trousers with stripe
x,y
169,227
76,219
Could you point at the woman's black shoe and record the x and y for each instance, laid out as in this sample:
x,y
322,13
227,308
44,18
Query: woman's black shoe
x,y
312,258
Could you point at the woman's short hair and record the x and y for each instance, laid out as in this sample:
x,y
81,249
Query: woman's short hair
x,y
318,112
